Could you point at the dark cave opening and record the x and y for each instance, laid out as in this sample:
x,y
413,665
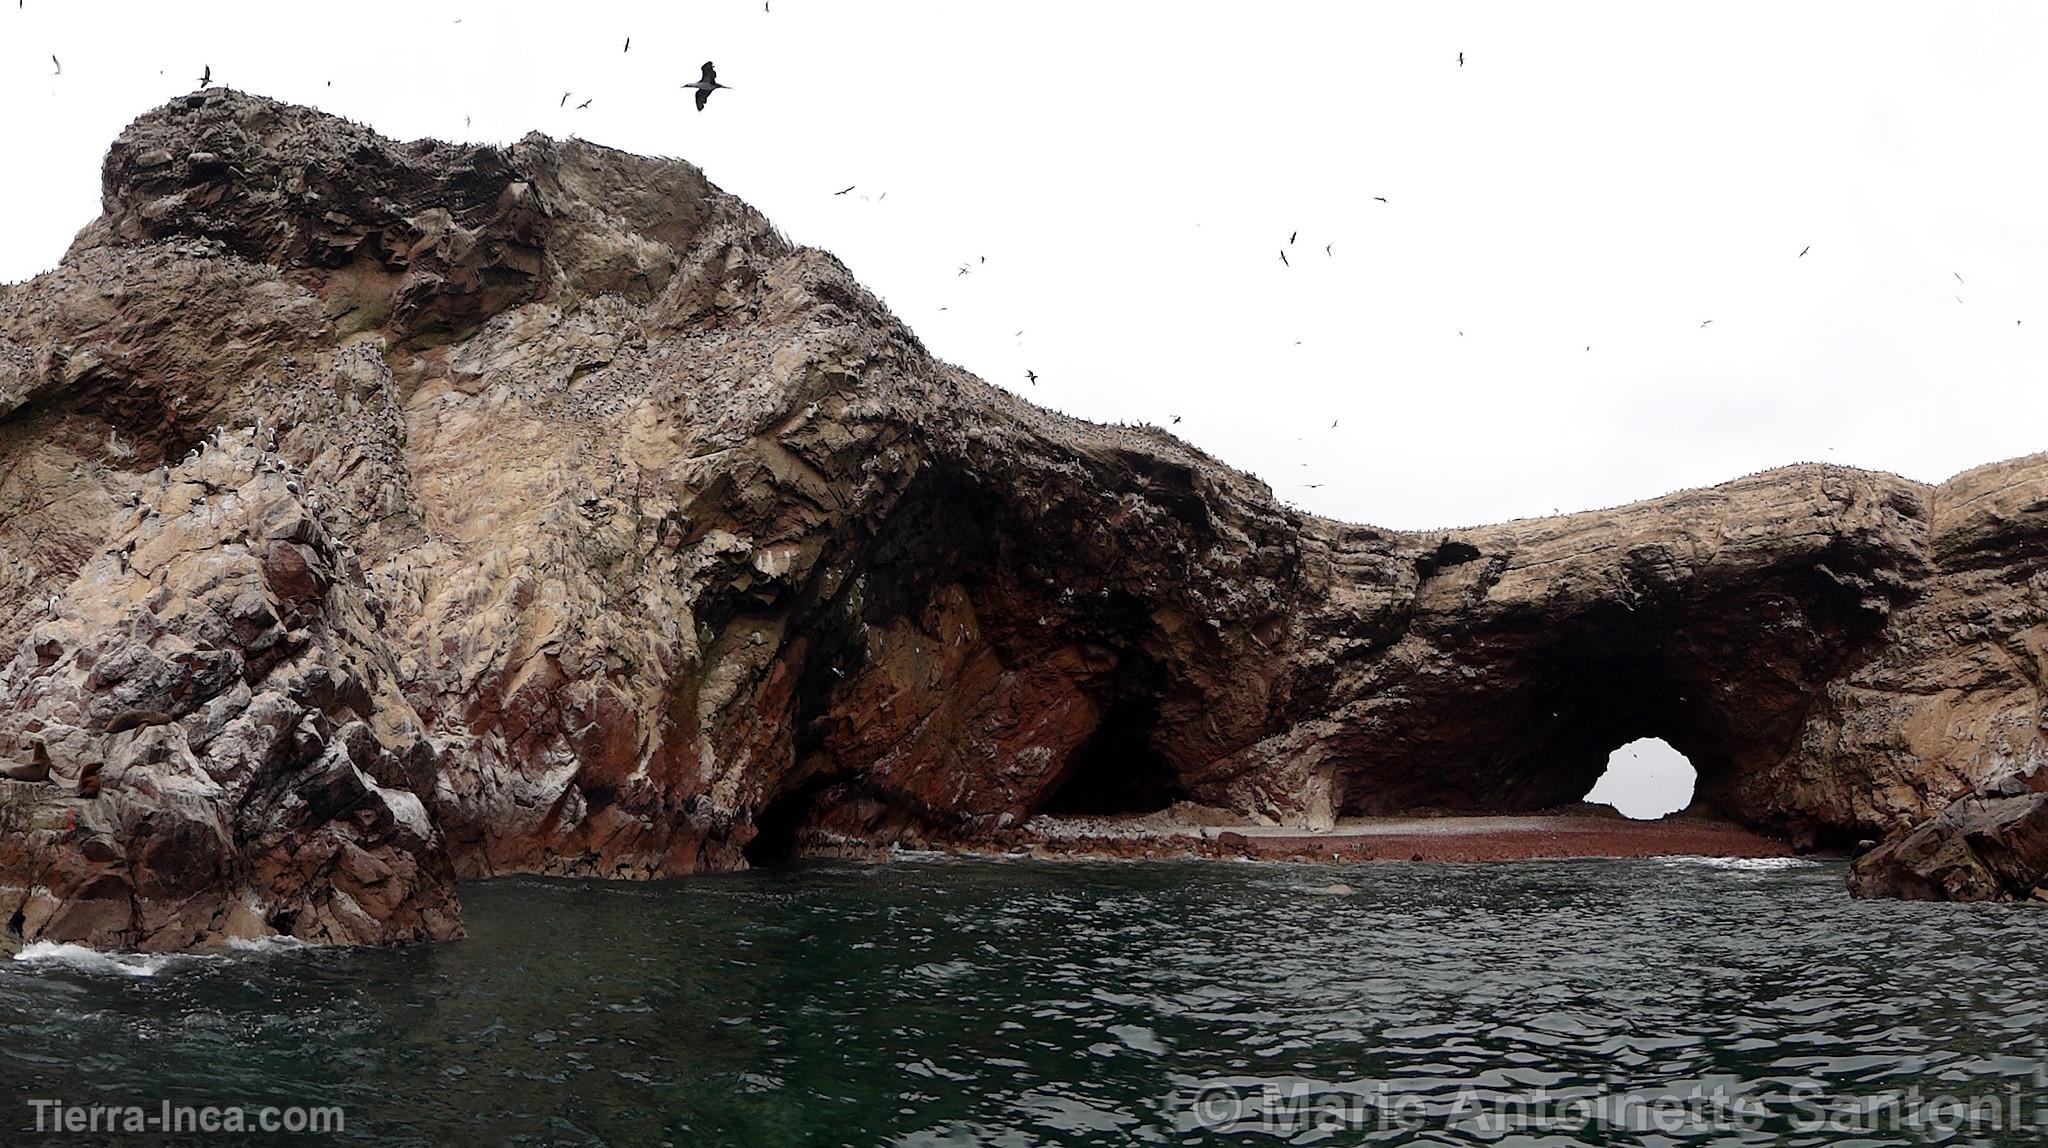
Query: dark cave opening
x,y
779,826
1117,772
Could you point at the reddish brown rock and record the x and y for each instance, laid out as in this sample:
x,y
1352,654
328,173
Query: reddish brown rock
x,y
640,541
1978,849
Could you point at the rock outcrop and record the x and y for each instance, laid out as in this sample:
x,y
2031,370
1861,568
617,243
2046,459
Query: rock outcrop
x,y
1978,849
459,509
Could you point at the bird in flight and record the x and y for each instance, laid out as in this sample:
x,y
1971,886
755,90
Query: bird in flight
x,y
564,101
581,106
1291,238
629,45
1327,246
206,76
1283,257
1704,322
1381,198
844,190
1461,59
60,66
1333,424
1032,376
707,84
1803,251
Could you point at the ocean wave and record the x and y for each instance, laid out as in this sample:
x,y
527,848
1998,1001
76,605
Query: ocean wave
x,y
84,960
1745,863
261,945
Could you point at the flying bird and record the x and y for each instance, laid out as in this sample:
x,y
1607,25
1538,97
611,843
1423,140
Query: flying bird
x,y
1327,246
1803,251
206,76
847,188
708,83
1957,274
581,106
1381,198
564,101
1461,59
54,60
1032,376
1704,322
1291,238
1333,424
1176,420
629,45
1283,257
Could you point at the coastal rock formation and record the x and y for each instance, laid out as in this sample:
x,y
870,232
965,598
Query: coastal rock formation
x,y
1978,849
217,745
626,538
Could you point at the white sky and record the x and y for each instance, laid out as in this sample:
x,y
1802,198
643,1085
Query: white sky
x,y
1606,175
1646,779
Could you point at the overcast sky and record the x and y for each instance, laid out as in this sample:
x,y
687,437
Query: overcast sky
x,y
1603,176
1593,175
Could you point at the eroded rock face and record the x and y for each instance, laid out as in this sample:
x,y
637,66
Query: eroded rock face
x,y
1978,849
224,751
676,549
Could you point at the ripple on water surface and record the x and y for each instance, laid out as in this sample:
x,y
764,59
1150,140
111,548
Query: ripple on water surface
x,y
967,1002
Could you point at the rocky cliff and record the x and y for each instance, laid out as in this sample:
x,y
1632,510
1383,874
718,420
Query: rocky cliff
x,y
377,513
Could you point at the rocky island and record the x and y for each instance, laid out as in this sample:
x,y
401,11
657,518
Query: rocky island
x,y
377,514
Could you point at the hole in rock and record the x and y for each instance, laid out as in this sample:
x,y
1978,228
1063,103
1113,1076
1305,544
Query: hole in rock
x,y
1117,771
779,826
1646,779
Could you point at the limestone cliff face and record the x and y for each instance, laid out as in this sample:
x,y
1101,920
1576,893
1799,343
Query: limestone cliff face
x,y
624,538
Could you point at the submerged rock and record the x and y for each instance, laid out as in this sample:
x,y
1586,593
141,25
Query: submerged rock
x,y
372,513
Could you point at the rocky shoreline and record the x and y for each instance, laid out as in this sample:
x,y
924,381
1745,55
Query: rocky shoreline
x,y
378,514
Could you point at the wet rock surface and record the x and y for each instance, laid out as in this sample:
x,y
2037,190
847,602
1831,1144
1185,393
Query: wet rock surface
x,y
633,540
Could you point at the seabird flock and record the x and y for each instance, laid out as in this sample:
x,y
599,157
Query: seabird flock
x,y
707,82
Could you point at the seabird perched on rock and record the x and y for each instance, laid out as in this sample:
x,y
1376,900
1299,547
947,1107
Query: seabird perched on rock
x,y
706,85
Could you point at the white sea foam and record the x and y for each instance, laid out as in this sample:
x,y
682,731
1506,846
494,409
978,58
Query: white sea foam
x,y
85,960
1746,863
259,945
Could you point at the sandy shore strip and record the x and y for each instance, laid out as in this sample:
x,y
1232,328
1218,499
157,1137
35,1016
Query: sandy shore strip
x,y
1520,837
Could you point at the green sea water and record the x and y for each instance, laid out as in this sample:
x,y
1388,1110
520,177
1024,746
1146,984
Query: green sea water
x,y
962,1002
